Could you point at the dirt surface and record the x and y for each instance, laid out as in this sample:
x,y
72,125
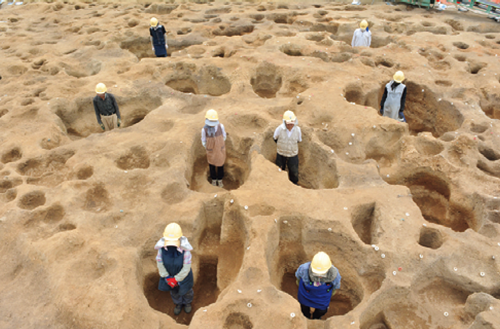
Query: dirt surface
x,y
409,213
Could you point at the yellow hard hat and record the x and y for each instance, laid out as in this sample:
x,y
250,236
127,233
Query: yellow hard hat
x,y
399,76
289,117
321,263
172,234
100,88
363,24
153,21
212,115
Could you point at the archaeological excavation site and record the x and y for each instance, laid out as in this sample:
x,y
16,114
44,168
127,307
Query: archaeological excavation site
x,y
408,212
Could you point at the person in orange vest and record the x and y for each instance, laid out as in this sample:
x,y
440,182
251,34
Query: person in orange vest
x,y
213,138
318,281
174,265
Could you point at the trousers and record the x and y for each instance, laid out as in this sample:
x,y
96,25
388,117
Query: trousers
x,y
317,314
216,172
293,166
185,299
110,122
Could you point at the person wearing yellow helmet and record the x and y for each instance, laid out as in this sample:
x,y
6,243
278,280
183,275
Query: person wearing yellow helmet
x,y
393,101
106,108
173,260
287,136
362,37
157,35
213,138
318,281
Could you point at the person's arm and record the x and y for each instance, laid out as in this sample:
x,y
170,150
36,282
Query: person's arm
x,y
223,131
165,36
161,268
115,105
186,267
97,113
203,137
277,134
382,102
369,37
300,134
402,106
353,42
151,38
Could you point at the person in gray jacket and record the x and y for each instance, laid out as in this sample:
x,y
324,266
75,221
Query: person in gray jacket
x,y
393,101
287,136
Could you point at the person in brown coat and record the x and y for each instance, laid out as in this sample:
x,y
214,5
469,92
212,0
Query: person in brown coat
x,y
213,138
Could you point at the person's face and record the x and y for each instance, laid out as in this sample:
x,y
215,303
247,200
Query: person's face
x,y
289,126
101,95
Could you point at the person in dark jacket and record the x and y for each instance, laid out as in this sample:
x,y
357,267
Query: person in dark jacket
x,y
106,109
318,281
393,101
174,265
158,40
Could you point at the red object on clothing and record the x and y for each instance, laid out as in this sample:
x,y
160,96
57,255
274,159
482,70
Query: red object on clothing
x,y
172,282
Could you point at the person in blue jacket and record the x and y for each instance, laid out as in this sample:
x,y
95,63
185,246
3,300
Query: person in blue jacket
x,y
318,281
158,40
174,264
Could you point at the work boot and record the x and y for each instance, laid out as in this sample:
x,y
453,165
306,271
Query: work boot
x,y
187,308
220,183
214,182
177,309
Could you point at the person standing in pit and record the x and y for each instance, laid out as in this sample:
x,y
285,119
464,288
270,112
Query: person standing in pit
x,y
393,101
287,136
213,138
174,264
362,37
106,109
318,281
158,40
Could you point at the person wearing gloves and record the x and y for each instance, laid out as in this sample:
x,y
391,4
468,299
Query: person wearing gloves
x,y
213,138
174,264
362,37
393,101
318,281
158,40
106,109
287,136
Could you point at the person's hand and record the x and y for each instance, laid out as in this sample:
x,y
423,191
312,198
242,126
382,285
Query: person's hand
x,y
153,48
102,126
172,282
119,122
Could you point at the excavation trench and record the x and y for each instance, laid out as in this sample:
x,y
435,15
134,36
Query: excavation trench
x,y
207,80
298,242
218,237
424,110
317,166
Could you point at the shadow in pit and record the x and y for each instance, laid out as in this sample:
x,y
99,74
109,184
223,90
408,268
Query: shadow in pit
x,y
432,195
218,242
236,167
291,253
317,167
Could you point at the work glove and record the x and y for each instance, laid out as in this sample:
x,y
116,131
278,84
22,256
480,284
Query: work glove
x,y
297,282
102,126
172,282
119,122
153,48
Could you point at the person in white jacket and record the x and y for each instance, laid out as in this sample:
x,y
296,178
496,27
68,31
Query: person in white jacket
x,y
362,37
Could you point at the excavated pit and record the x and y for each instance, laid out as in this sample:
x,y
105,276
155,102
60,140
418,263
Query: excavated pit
x,y
291,253
218,238
430,238
236,167
267,80
364,222
317,166
432,194
208,80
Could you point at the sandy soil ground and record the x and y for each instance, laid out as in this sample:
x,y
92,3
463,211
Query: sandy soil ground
x,y
408,212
